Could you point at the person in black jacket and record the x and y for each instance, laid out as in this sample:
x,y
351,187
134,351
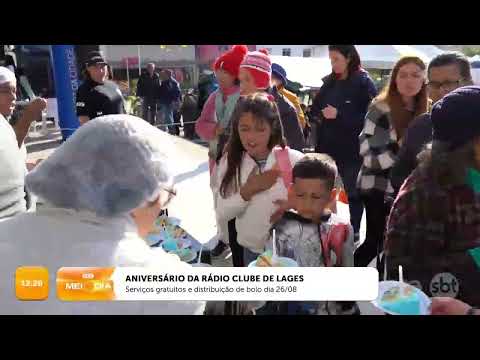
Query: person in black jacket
x,y
97,96
339,109
189,112
446,72
168,97
255,75
148,87
207,84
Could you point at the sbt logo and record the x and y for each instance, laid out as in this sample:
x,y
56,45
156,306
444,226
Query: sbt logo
x,y
444,284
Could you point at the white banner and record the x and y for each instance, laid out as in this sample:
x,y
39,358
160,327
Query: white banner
x,y
247,284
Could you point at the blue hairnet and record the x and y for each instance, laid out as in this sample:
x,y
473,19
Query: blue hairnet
x,y
109,166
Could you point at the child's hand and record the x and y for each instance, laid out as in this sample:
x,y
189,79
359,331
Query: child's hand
x,y
283,206
257,183
330,112
33,110
265,180
448,306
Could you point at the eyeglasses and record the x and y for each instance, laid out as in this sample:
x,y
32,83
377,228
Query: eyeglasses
x,y
448,85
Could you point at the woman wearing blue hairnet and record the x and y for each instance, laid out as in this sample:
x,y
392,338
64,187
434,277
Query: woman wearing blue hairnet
x,y
102,191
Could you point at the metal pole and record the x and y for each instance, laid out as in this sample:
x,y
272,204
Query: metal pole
x,y
128,78
139,61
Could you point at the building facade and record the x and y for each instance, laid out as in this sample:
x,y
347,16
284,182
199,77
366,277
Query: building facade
x,y
133,59
186,61
297,50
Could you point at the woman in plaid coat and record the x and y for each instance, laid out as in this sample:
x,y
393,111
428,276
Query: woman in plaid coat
x,y
434,227
391,112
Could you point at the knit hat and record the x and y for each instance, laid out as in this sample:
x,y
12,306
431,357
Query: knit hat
x,y
280,73
456,117
259,65
7,76
230,61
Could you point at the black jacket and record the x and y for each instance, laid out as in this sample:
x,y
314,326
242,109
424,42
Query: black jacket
x,y
148,87
189,108
291,126
418,134
94,99
206,85
169,92
351,98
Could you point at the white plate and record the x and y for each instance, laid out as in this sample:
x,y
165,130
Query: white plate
x,y
190,255
384,286
181,244
201,265
153,239
287,261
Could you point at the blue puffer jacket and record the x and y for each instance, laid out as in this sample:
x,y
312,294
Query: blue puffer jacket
x,y
169,92
351,97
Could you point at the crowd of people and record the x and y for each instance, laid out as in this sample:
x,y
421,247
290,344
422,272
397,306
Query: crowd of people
x,y
98,95
373,141
409,155
161,97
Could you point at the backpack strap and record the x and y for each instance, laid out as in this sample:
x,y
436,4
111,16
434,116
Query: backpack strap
x,y
333,240
337,237
284,164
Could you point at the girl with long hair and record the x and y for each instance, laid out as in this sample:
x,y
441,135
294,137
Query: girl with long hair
x,y
403,99
249,178
434,227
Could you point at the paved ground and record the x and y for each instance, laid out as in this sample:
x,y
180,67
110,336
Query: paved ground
x,y
194,202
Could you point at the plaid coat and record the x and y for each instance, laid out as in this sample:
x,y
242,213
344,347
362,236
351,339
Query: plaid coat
x,y
378,149
431,232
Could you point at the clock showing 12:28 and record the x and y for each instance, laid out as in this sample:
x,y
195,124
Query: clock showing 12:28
x,y
31,283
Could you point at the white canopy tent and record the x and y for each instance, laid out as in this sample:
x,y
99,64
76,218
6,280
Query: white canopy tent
x,y
310,71
384,57
307,71
474,60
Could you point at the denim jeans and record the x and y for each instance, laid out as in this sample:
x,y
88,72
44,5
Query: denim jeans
x,y
149,111
166,111
377,213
